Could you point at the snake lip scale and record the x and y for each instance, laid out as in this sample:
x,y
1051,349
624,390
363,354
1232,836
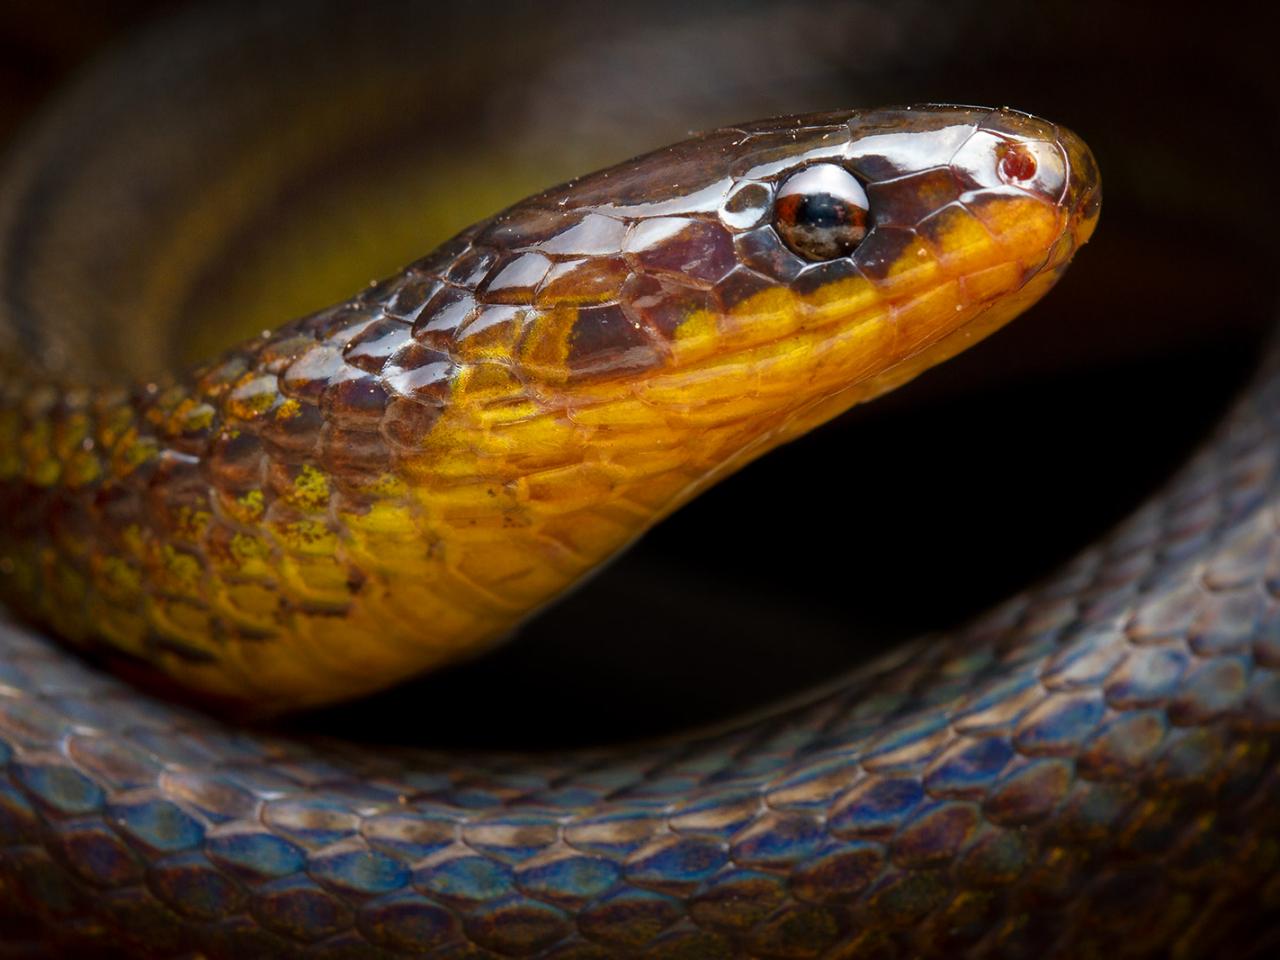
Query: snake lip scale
x,y
396,482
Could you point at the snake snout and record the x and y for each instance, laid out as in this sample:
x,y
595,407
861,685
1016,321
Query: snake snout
x,y
1083,194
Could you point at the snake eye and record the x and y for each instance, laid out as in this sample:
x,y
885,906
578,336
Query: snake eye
x,y
821,212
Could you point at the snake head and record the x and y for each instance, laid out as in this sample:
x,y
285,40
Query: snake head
x,y
729,292
397,481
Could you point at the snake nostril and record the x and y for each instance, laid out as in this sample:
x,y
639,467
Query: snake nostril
x,y
1017,164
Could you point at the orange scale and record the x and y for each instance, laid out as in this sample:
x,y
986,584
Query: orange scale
x,y
252,396
591,280
490,334
961,241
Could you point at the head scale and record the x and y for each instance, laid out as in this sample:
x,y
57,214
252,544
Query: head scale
x,y
751,282
475,434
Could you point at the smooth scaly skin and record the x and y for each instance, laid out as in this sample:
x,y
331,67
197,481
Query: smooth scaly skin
x,y
399,480
1088,769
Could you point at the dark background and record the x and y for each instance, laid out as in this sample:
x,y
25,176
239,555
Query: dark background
x,y
924,508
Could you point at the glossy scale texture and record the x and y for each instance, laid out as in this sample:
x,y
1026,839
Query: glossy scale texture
x,y
1088,770
1091,768
397,481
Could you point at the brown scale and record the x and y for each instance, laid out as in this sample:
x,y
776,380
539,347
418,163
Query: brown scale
x,y
663,304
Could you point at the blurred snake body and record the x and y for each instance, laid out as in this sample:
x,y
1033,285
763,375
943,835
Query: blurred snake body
x,y
398,481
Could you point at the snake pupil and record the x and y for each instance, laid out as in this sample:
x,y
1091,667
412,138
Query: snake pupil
x,y
821,212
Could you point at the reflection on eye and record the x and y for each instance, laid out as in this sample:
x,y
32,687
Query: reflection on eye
x,y
821,212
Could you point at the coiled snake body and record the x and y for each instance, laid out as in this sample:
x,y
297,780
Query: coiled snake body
x,y
399,480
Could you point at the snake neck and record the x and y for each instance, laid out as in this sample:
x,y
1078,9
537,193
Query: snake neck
x,y
243,527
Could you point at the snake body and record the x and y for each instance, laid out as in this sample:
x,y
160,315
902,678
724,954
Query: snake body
x,y
1090,767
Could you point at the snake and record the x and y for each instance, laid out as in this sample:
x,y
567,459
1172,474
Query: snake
x,y
399,481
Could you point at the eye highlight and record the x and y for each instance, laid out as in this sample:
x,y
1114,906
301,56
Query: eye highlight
x,y
821,212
